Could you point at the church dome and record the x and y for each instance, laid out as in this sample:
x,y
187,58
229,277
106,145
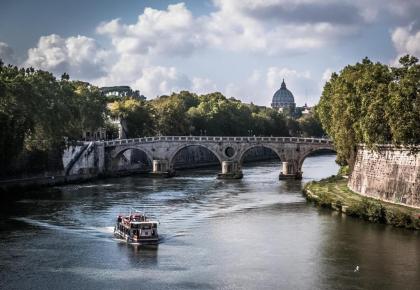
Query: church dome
x,y
283,97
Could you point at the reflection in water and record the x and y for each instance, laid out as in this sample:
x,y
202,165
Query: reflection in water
x,y
253,233
138,255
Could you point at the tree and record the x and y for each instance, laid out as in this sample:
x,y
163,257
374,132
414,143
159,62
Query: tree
x,y
310,126
15,114
136,117
403,108
171,113
371,103
37,112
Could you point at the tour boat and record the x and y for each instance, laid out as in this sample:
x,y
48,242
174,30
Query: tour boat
x,y
136,228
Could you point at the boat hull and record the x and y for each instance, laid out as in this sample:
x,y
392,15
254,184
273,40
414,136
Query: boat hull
x,y
140,241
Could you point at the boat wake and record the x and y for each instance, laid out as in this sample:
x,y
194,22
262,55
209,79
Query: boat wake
x,y
91,232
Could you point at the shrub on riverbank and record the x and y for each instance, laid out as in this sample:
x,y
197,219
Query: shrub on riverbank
x,y
344,170
369,210
333,193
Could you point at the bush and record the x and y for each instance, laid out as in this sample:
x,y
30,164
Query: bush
x,y
375,212
399,219
325,200
355,209
416,222
344,170
339,204
370,210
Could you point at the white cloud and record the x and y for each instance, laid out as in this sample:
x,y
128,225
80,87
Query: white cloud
x,y
170,31
406,41
275,76
326,75
203,85
6,54
161,80
77,55
240,26
137,47
235,25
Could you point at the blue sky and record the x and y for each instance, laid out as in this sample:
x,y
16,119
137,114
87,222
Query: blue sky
x,y
242,48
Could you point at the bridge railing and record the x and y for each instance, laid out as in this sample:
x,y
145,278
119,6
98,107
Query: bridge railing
x,y
216,139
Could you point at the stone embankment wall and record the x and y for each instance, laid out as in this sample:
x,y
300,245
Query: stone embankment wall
x,y
83,160
391,174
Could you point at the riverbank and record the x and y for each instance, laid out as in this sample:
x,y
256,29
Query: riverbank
x,y
333,193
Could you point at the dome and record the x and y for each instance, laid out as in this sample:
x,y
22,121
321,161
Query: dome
x,y
283,97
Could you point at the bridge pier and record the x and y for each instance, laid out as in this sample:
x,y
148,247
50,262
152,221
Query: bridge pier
x,y
161,169
289,171
230,170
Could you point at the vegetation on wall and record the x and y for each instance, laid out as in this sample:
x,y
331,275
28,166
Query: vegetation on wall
x,y
371,103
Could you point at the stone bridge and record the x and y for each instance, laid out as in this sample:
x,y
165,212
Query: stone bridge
x,y
230,151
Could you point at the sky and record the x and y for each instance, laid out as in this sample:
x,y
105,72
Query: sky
x,y
241,48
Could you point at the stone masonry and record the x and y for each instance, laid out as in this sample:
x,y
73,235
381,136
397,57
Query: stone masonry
x,y
391,174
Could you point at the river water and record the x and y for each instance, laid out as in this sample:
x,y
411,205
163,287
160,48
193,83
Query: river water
x,y
254,233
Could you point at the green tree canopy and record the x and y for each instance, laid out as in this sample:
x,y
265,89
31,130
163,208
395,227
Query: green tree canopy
x,y
136,117
371,103
37,112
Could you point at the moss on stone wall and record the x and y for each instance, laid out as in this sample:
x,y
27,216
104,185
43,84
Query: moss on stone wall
x,y
333,193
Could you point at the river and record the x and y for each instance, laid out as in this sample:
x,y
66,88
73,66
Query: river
x,y
254,233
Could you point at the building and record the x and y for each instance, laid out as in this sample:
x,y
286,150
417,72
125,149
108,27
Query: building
x,y
121,92
283,100
306,109
98,134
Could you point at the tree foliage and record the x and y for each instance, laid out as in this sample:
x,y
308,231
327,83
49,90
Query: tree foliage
x,y
136,117
310,126
37,111
372,103
214,114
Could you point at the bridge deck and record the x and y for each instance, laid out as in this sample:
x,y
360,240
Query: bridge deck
x,y
215,139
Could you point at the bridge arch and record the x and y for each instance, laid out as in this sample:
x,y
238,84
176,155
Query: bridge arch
x,y
312,151
118,153
141,157
267,146
186,146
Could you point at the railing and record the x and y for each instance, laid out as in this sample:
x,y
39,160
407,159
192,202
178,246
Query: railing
x,y
215,139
